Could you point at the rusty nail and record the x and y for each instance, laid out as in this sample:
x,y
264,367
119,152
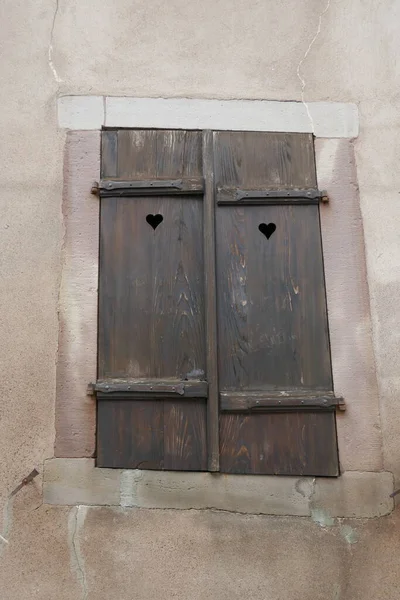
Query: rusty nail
x,y
324,197
95,188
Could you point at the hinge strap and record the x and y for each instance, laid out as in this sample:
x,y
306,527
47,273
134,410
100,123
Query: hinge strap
x,y
149,187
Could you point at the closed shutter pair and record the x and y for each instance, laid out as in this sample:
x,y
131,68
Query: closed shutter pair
x,y
213,335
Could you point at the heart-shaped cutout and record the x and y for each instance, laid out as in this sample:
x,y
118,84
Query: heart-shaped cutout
x,y
154,220
267,230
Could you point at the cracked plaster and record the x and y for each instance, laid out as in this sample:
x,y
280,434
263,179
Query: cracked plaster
x,y
299,66
50,50
76,522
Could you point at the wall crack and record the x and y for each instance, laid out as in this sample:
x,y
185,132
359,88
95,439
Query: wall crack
x,y
7,514
76,521
299,66
7,519
50,50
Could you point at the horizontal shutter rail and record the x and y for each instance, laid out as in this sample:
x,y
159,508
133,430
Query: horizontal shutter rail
x,y
233,196
150,187
276,401
142,389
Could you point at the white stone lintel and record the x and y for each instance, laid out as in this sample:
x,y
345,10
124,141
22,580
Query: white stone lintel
x,y
323,119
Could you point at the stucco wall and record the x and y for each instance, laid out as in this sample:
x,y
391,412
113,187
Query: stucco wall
x,y
338,51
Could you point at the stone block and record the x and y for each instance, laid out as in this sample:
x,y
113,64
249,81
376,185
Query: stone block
x,y
80,112
74,481
236,493
354,494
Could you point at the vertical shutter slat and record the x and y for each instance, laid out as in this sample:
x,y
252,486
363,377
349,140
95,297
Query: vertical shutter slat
x,y
210,305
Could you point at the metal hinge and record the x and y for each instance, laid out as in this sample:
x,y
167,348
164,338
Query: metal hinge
x,y
150,187
280,400
145,388
230,196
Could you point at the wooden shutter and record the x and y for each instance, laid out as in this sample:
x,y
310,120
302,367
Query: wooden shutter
x,y
273,343
151,303
213,336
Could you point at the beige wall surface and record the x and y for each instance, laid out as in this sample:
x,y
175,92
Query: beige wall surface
x,y
310,50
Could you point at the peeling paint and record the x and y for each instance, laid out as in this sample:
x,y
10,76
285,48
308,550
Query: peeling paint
x,y
322,518
349,534
305,487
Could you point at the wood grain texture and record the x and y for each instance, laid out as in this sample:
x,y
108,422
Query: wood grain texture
x,y
149,154
151,300
151,290
158,434
242,306
210,304
185,438
273,327
272,321
109,153
291,443
251,160
151,306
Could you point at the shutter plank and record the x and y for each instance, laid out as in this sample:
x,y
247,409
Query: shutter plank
x,y
210,304
168,154
271,299
272,320
151,306
152,434
109,153
185,439
151,297
291,443
130,434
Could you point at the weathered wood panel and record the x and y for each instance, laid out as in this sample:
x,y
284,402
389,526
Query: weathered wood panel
x,y
272,318
292,443
151,295
148,154
130,434
251,160
151,304
272,321
185,436
109,153
151,301
157,318
210,305
152,434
